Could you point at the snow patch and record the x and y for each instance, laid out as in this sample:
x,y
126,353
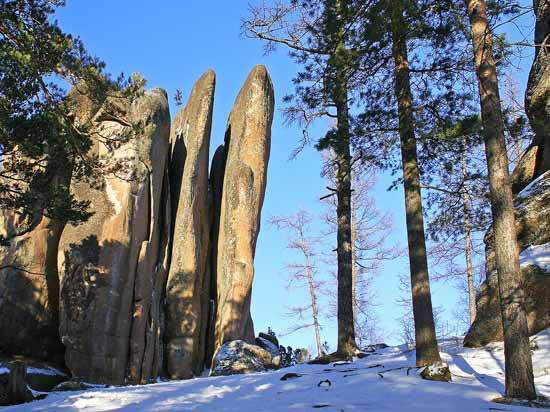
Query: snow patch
x,y
113,198
536,255
532,187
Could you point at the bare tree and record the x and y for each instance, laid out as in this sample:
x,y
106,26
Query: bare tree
x,y
303,272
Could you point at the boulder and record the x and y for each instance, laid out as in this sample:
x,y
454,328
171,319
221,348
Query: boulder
x,y
238,357
248,140
187,290
268,345
74,384
439,371
533,231
40,376
537,93
110,263
13,387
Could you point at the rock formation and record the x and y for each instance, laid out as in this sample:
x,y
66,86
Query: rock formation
x,y
29,285
187,291
110,264
537,100
132,293
217,170
533,230
248,140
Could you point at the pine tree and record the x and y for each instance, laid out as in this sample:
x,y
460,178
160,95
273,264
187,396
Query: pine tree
x,y
42,146
319,34
519,368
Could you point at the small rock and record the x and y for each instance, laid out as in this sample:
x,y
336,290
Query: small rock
x,y
324,384
75,384
290,375
439,371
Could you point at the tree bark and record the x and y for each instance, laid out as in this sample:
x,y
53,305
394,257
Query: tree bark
x,y
468,246
519,369
426,343
346,328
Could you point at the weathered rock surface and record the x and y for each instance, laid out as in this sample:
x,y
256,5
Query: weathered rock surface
x,y
13,387
248,140
533,228
40,376
29,281
537,94
29,289
437,372
238,357
109,263
215,183
187,291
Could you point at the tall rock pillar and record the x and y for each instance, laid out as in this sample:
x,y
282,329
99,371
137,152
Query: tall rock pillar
x,y
187,292
248,141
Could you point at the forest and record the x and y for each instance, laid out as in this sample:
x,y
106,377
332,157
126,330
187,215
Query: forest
x,y
128,255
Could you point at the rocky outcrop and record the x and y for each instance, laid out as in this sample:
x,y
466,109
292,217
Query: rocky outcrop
x,y
187,291
29,283
110,264
238,357
537,94
533,231
248,140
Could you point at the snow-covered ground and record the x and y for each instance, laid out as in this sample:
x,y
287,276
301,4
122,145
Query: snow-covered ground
x,y
370,384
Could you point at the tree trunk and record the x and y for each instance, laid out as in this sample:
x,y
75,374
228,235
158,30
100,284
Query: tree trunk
x,y
426,343
314,309
354,278
346,328
519,369
468,245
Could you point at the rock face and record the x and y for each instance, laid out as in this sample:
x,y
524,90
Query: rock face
x,y
537,95
29,289
111,265
248,140
29,283
215,183
533,230
238,357
187,291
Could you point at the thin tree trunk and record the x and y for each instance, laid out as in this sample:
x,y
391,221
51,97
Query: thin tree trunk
x,y
354,278
468,246
519,368
314,309
426,343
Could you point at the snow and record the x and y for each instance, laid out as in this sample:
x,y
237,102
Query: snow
x,y
384,381
532,187
536,255
45,371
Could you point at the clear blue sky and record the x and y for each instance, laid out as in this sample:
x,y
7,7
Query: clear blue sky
x,y
171,43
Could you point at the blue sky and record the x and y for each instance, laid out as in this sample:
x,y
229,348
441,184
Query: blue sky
x,y
171,43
